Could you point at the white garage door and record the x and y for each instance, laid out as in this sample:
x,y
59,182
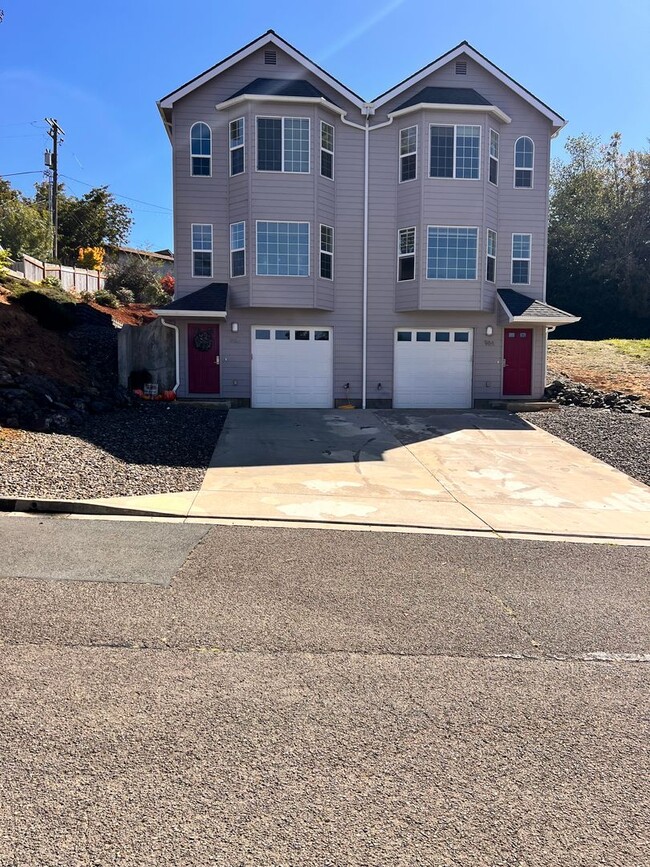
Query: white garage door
x,y
292,366
433,368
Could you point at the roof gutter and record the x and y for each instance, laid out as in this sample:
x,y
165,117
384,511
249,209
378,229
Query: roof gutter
x,y
450,106
269,97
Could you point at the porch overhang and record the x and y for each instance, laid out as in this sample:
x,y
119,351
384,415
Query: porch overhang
x,y
515,308
209,302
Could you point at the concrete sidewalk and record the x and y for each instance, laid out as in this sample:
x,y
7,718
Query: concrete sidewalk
x,y
458,471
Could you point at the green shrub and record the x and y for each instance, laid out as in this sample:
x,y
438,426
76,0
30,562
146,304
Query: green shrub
x,y
52,283
140,276
124,296
106,298
5,262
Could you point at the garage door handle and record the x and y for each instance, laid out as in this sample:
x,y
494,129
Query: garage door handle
x,y
216,360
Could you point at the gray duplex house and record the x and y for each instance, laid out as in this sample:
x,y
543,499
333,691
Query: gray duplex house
x,y
331,250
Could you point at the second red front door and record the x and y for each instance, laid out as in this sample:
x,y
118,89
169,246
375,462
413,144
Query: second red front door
x,y
517,360
203,358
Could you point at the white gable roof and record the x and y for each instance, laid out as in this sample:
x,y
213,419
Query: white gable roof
x,y
465,48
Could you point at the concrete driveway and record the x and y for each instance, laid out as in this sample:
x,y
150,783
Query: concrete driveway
x,y
471,471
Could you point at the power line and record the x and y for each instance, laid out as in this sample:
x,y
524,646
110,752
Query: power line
x,y
14,174
118,195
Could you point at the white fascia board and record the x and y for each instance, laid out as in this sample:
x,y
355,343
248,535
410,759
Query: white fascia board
x,y
445,106
190,314
267,39
547,321
264,97
557,121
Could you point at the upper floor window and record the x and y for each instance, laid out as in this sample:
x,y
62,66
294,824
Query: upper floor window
x,y
521,245
201,250
282,249
408,153
201,149
494,157
327,252
455,151
451,253
524,156
236,141
326,149
283,144
237,249
406,254
491,256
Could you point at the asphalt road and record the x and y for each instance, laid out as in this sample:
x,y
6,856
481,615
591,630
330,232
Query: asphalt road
x,y
307,697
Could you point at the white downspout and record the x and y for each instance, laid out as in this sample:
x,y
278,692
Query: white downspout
x,y
176,352
367,110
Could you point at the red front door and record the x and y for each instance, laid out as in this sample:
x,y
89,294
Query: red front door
x,y
203,358
517,360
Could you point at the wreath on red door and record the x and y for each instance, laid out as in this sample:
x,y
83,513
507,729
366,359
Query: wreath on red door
x,y
203,341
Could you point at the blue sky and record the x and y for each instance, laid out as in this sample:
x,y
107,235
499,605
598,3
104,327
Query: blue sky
x,y
100,67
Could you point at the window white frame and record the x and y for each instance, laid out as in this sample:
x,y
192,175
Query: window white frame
x,y
521,258
323,252
455,279
241,249
232,148
453,176
493,157
289,223
401,255
207,157
201,250
530,169
282,170
323,149
490,257
409,153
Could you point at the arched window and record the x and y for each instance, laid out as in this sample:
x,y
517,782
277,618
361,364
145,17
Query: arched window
x,y
524,156
201,149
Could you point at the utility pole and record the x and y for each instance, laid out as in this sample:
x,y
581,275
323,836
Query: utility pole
x,y
55,132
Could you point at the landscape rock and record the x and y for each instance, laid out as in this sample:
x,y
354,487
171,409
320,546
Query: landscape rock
x,y
569,393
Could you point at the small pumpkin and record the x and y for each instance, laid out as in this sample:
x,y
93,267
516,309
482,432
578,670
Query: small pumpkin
x,y
138,392
169,395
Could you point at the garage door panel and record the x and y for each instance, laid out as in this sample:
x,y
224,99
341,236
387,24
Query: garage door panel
x,y
294,372
433,371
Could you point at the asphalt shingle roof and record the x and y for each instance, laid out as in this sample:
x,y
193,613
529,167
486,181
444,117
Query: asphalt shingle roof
x,y
212,297
446,96
280,87
531,308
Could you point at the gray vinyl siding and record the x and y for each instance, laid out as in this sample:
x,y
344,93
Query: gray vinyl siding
x,y
221,200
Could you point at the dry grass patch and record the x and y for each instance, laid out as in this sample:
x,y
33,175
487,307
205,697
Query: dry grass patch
x,y
608,365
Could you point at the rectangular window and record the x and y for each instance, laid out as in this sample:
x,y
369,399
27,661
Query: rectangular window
x,y
201,250
455,151
283,144
451,253
406,254
327,252
237,249
283,249
491,256
521,246
408,154
237,146
494,157
326,150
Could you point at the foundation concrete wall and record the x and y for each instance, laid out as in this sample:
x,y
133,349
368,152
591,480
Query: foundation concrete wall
x,y
147,347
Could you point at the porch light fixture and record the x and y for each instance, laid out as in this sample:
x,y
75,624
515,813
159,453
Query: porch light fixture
x,y
489,331
234,326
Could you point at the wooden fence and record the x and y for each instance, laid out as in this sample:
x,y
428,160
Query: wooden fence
x,y
71,278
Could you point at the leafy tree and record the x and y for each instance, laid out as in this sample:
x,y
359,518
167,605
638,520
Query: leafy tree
x,y
24,228
91,258
139,275
94,220
599,237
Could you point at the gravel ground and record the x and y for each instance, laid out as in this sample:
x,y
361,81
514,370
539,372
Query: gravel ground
x,y
149,448
617,438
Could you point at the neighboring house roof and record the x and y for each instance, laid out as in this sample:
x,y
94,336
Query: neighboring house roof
x,y
280,87
166,255
465,48
210,300
445,96
521,308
